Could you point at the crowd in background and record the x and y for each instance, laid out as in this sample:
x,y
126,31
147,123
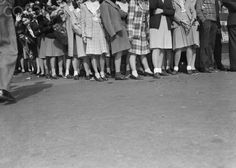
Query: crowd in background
x,y
117,38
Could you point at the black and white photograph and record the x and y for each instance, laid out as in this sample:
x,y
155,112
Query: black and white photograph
x,y
117,83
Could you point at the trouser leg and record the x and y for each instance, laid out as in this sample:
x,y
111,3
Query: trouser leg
x,y
212,42
207,42
218,50
8,48
232,47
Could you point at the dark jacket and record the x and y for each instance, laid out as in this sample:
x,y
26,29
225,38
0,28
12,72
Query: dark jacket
x,y
111,18
231,5
168,11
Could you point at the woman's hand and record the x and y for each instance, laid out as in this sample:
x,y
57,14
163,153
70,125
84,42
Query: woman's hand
x,y
85,39
158,11
18,17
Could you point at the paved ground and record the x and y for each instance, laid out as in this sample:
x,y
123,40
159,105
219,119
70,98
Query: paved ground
x,y
176,122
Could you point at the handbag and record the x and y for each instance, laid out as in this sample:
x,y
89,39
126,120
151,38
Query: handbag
x,y
60,33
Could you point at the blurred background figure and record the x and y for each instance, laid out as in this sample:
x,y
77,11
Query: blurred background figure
x,y
8,49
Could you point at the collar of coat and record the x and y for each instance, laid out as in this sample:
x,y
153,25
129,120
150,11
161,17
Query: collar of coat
x,y
112,4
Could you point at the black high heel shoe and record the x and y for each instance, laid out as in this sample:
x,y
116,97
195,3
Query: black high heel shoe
x,y
148,74
61,76
41,75
104,78
98,79
55,77
136,77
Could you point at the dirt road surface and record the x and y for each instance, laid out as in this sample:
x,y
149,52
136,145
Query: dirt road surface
x,y
176,122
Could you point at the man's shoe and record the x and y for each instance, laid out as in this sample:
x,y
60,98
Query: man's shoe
x,y
6,96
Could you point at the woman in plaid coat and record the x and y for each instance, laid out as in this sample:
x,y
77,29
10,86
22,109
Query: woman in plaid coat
x,y
138,31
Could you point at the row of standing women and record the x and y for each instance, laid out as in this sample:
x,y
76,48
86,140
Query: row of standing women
x,y
100,32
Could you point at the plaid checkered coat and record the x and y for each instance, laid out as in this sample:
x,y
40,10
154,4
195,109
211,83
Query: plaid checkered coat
x,y
138,27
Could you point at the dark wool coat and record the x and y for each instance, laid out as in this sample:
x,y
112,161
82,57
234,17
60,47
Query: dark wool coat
x,y
117,33
168,11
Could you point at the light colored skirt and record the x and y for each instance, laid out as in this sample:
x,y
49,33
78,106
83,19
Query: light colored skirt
x,y
161,38
181,39
97,44
80,47
50,48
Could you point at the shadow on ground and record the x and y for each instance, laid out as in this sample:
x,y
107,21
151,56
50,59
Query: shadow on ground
x,y
23,92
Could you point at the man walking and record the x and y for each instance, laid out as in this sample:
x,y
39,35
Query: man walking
x,y
208,14
8,48
231,5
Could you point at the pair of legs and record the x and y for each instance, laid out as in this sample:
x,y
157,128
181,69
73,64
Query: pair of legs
x,y
194,54
37,65
86,64
52,61
41,66
168,63
117,60
109,65
75,64
127,65
25,63
98,62
191,57
132,61
157,60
